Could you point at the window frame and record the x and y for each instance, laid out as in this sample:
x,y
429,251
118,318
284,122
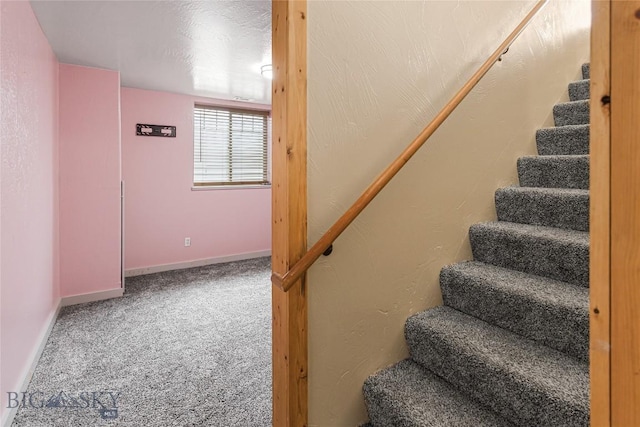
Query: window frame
x,y
213,185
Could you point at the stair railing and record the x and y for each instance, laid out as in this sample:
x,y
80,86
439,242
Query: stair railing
x,y
324,244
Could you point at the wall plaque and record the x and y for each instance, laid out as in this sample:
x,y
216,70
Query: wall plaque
x,y
156,130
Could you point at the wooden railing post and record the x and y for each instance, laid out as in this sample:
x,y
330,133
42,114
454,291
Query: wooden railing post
x,y
600,215
289,209
625,213
615,214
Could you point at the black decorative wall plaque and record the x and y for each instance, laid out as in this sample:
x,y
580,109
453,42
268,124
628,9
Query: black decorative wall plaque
x,y
156,130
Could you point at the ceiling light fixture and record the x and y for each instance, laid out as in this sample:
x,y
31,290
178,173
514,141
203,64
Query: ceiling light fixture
x,y
267,71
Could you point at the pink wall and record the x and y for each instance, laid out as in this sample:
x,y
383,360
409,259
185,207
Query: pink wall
x,y
89,180
29,274
160,207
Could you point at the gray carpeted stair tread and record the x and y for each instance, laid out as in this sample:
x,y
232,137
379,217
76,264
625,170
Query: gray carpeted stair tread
x,y
586,71
543,251
545,310
563,140
554,171
579,90
523,381
407,395
571,113
551,207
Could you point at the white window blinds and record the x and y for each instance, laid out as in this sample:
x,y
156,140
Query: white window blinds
x,y
229,146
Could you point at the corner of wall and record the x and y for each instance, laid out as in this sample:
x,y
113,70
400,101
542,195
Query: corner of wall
x,y
56,249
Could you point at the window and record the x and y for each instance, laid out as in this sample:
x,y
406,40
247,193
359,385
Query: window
x,y
229,146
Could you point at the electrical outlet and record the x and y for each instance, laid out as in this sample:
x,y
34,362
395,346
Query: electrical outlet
x,y
187,241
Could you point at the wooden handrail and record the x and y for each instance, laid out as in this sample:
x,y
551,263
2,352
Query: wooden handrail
x,y
286,281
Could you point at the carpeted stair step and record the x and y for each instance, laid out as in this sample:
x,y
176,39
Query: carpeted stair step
x,y
407,395
553,313
571,113
551,207
525,382
511,344
554,171
543,251
579,90
563,140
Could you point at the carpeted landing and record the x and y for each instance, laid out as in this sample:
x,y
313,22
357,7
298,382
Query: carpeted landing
x,y
510,345
183,348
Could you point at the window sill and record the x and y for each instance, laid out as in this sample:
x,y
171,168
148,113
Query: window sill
x,y
230,187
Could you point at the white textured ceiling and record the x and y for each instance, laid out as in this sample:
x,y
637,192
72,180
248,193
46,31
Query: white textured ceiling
x,y
205,48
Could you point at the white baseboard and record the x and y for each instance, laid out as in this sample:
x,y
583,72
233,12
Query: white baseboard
x,y
91,297
196,263
33,359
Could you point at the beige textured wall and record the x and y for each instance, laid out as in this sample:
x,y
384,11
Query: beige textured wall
x,y
378,72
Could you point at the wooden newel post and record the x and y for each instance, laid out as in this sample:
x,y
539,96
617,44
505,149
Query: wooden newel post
x,y
289,209
615,220
625,213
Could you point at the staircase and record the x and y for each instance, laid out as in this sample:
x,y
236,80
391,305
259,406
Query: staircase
x,y
510,345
